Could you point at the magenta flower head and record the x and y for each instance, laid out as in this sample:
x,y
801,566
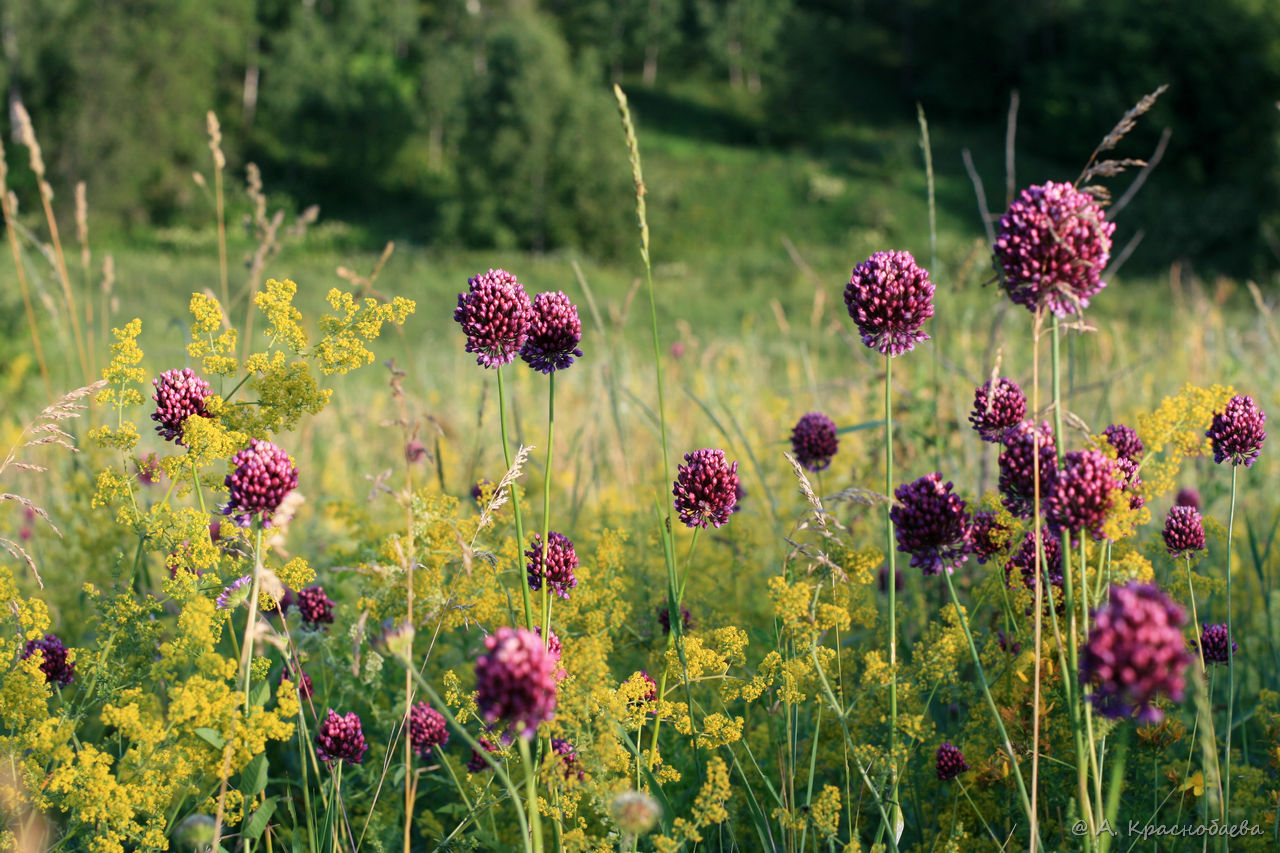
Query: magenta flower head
x,y
950,762
1216,644
568,758
306,688
1187,497
477,763
516,680
180,394
1052,246
496,316
263,474
1135,652
554,334
427,729
315,606
1183,531
997,409
890,297
931,524
1082,492
814,441
706,488
1017,467
340,738
882,579
1236,433
1024,560
562,559
687,622
990,537
1125,440
58,671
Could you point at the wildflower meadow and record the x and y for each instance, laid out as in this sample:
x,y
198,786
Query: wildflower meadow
x,y
970,547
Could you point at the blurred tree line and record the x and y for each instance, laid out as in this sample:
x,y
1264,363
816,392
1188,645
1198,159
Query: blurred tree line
x,y
489,122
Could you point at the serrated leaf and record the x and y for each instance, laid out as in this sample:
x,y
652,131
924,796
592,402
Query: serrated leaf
x,y
258,696
253,778
211,737
258,821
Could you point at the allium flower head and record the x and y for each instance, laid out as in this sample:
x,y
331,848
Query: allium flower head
x,y
687,622
1135,651
931,524
1024,560
1082,492
814,441
1187,497
990,536
58,671
568,758
651,692
1183,531
882,578
315,606
340,738
997,409
515,680
706,488
890,297
950,762
562,559
180,394
477,762
263,474
1236,433
495,315
482,490
1216,644
306,688
427,729
1125,440
1017,467
554,334
1052,247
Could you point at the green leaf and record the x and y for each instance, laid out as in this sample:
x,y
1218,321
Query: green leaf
x,y
253,779
258,696
211,737
261,815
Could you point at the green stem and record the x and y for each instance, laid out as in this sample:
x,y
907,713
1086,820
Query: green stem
x,y
246,649
891,582
1231,658
515,507
531,787
546,508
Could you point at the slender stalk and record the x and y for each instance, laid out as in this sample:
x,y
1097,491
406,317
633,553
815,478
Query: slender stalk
x,y
515,506
546,507
246,649
531,782
891,582
22,275
1231,658
1040,573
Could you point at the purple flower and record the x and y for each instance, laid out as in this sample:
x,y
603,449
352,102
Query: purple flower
x,y
990,537
568,758
554,334
651,695
554,647
890,297
882,578
1135,652
996,410
1216,644
931,524
263,474
496,316
686,619
562,559
1236,433
1024,560
315,606
1008,645
427,729
179,395
58,671
1183,531
303,681
814,441
477,762
235,593
1017,471
1187,497
1125,440
515,680
481,488
1052,247
706,488
950,762
1081,493
340,738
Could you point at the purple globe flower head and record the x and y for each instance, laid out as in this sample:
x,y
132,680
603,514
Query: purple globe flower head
x,y
1052,246
496,315
261,477
554,647
882,578
315,606
149,471
651,694
1126,471
1187,497
303,681
1082,493
1135,652
1007,644
1216,644
990,536
180,394
340,738
1017,467
1236,433
1125,440
516,680
477,763
931,524
1024,561
427,729
1183,531
481,488
568,758
890,297
997,409
554,334
58,671
562,559
814,441
706,488
687,622
415,451
950,762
